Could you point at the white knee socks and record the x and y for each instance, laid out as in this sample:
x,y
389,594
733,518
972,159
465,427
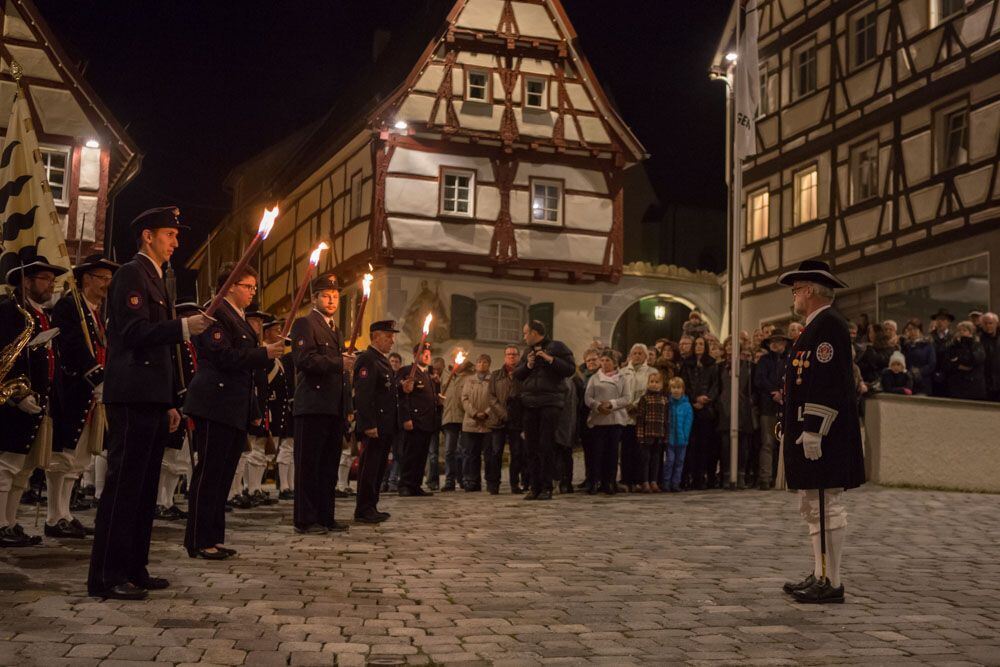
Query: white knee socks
x,y
166,487
67,495
254,475
817,556
344,473
100,473
236,488
54,484
13,502
286,476
834,549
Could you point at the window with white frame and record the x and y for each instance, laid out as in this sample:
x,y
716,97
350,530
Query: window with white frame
x,y
758,215
457,192
805,71
55,162
535,90
499,320
806,195
953,137
864,171
864,40
942,10
356,196
477,85
546,202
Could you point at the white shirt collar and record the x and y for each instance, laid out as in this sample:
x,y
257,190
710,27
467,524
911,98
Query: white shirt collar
x,y
328,320
93,307
159,270
813,314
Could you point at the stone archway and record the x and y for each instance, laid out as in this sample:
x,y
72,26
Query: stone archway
x,y
650,318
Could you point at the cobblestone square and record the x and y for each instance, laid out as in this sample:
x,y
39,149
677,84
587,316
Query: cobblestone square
x,y
465,578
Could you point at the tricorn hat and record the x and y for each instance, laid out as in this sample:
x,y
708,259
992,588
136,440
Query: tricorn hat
x,y
157,218
187,306
36,265
383,325
813,271
943,312
264,317
91,262
273,323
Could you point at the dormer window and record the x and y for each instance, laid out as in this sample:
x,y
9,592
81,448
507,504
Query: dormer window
x,y
535,90
477,85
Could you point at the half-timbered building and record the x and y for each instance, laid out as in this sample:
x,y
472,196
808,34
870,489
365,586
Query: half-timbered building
x,y
88,156
877,149
479,169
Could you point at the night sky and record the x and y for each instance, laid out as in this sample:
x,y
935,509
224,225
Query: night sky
x,y
202,86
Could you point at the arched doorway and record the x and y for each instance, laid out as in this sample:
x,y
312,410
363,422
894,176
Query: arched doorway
x,y
649,318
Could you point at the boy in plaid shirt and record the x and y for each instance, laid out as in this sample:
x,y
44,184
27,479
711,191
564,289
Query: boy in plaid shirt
x,y
651,427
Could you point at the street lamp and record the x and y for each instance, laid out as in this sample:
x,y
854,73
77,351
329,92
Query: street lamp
x,y
731,57
93,143
400,125
660,312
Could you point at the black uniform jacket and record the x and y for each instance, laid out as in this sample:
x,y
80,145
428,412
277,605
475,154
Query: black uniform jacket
x,y
140,366
820,397
18,428
281,389
260,398
422,404
188,365
79,371
319,367
222,389
376,395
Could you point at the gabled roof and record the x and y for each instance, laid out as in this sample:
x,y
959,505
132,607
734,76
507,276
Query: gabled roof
x,y
64,106
402,59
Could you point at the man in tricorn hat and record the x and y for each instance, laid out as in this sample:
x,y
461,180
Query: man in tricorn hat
x,y
80,385
140,394
21,445
768,383
822,435
378,414
320,408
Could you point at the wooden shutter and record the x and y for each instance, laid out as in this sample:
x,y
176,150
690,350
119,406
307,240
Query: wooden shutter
x,y
544,313
463,317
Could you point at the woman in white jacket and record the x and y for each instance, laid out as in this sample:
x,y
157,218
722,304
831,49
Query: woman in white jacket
x,y
608,394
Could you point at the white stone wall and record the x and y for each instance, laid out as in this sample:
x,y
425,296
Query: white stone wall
x,y
933,442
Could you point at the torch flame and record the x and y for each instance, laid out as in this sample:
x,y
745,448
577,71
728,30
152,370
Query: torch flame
x,y
314,257
267,222
366,284
370,269
460,358
427,323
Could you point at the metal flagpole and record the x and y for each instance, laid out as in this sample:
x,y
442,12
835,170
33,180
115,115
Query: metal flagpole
x,y
734,273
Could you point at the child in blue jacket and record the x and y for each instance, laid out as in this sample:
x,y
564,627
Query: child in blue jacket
x,y
681,416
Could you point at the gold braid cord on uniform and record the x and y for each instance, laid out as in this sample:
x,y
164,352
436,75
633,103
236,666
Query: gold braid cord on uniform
x,y
19,386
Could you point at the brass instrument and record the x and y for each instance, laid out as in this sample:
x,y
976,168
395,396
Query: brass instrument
x,y
17,387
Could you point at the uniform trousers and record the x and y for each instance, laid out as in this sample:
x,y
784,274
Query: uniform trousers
x,y
137,434
15,471
256,463
218,447
318,441
494,457
176,462
61,474
415,446
371,469
286,464
539,442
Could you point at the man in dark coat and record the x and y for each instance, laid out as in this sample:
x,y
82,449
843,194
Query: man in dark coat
x,y
223,402
541,371
318,408
941,336
80,379
768,383
280,390
422,407
822,434
21,418
140,391
378,414
990,339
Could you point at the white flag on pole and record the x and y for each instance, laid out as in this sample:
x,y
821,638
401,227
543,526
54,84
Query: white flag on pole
x,y
747,84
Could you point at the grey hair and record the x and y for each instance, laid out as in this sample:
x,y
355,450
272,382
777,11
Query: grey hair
x,y
639,346
822,291
989,315
891,323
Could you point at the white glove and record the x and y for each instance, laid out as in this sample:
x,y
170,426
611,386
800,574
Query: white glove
x,y
811,445
99,392
30,405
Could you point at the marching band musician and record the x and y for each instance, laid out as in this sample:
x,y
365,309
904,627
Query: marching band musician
x,y
21,447
140,395
223,402
81,377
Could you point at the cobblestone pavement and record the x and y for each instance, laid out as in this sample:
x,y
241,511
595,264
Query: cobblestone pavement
x,y
478,579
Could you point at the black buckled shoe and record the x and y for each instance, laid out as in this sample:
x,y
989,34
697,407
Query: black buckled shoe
x,y
263,498
312,529
288,494
226,550
87,530
10,539
544,495
338,527
791,586
531,495
370,517
241,502
64,530
821,592
153,584
33,540
339,493
218,554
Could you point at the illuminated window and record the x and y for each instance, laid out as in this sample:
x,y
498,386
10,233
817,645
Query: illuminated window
x,y
806,195
546,202
55,162
758,215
